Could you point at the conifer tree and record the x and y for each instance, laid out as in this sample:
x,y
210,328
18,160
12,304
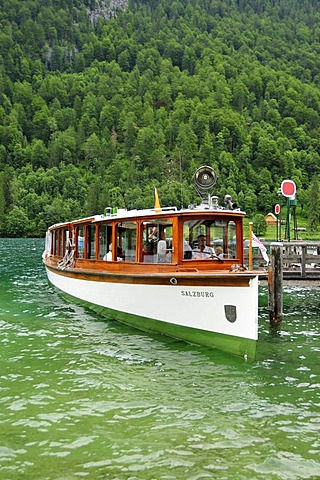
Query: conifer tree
x,y
314,213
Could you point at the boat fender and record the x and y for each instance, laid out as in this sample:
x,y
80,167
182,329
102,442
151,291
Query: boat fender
x,y
173,281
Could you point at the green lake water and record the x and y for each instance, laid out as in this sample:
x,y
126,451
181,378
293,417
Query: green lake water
x,y
86,397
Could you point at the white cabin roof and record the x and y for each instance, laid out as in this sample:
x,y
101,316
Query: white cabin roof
x,y
123,213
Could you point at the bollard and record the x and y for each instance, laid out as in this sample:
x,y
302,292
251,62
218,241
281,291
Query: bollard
x,y
275,281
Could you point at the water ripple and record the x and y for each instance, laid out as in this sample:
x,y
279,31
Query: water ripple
x,y
85,397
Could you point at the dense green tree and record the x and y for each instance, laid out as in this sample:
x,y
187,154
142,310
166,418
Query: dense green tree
x,y
259,225
314,211
62,147
5,196
93,205
16,222
143,97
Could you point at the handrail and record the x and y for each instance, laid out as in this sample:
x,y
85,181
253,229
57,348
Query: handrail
x,y
301,259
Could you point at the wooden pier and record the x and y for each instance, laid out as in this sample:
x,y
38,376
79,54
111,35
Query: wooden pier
x,y
301,260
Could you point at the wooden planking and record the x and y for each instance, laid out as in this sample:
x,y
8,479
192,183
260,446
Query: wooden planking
x,y
192,279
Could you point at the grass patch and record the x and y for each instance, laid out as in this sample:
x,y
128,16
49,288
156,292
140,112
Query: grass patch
x,y
271,232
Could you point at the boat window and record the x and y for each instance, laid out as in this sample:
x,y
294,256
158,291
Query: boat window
x,y
105,236
48,242
157,241
91,232
232,240
56,242
80,241
205,238
126,241
61,239
52,237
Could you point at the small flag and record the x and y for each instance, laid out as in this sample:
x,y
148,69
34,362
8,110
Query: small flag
x,y
157,205
257,243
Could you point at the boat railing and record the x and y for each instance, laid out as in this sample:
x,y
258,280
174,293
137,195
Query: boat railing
x,y
301,259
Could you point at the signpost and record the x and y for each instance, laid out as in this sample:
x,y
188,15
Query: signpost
x,y
277,212
288,190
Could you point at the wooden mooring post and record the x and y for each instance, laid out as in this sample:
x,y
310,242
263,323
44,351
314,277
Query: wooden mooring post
x,y
275,284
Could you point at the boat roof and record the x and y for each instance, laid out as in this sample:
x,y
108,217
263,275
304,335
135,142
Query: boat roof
x,y
124,214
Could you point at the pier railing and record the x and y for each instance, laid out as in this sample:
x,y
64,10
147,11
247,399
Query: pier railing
x,y
301,260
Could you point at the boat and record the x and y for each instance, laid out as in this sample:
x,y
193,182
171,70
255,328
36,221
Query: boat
x,y
179,272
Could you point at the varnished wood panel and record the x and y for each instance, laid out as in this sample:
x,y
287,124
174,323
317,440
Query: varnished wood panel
x,y
179,278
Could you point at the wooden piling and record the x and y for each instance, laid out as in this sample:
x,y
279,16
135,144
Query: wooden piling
x,y
303,260
275,285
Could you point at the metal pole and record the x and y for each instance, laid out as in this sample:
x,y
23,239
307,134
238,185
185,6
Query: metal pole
x,y
288,219
250,246
181,193
279,227
295,225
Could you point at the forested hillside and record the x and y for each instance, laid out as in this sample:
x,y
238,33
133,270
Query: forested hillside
x,y
101,103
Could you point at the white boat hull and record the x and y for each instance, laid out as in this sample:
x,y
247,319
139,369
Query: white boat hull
x,y
223,310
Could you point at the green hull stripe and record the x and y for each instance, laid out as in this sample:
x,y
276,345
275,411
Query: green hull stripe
x,y
243,347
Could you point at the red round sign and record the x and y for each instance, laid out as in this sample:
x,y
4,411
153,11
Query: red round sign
x,y
277,209
288,188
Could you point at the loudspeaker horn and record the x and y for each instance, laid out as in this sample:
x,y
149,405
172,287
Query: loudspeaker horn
x,y
205,178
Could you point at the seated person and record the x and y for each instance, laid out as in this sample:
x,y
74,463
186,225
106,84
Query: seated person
x,y
120,254
147,251
203,251
187,250
219,251
162,248
108,256
153,235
